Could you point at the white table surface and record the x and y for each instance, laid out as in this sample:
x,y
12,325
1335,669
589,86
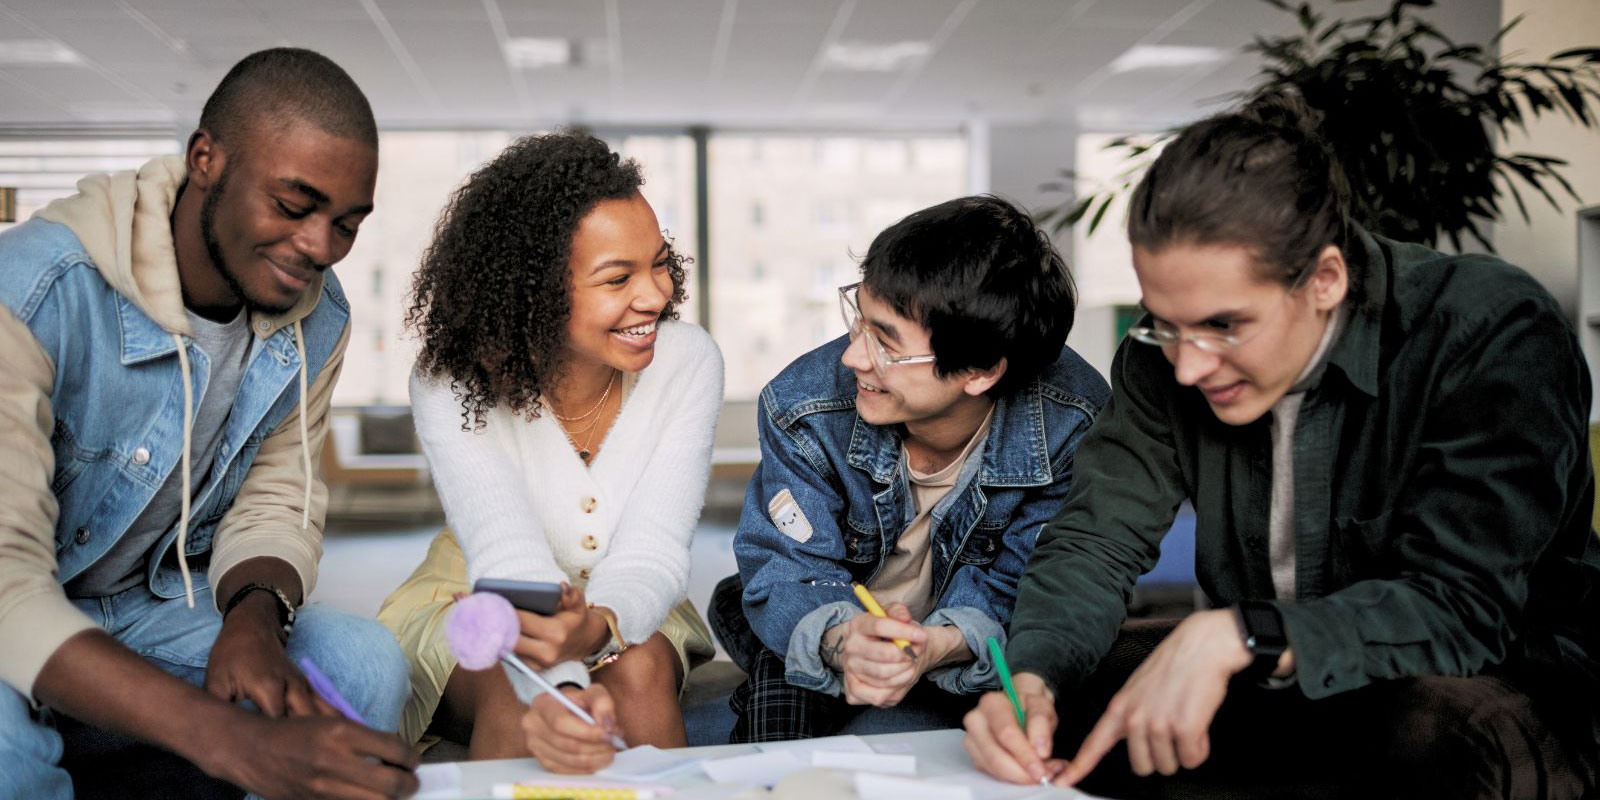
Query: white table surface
x,y
939,754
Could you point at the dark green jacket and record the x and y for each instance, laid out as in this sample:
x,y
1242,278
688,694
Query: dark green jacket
x,y
1443,491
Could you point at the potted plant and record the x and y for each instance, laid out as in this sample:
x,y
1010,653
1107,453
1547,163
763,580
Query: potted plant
x,y
1409,114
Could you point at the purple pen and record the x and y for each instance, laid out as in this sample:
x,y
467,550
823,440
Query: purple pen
x,y
324,689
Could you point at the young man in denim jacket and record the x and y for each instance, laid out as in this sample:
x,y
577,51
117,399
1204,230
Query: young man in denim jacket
x,y
169,342
919,456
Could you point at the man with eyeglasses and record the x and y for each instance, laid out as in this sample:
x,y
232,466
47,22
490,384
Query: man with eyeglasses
x,y
1386,450
918,456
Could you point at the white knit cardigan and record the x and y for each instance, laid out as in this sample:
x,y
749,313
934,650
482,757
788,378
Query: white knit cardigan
x,y
524,506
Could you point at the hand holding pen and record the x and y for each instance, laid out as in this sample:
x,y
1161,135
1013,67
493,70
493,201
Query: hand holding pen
x,y
482,630
1011,733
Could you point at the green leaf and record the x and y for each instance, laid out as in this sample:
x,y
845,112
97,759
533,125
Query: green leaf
x,y
1589,54
1100,212
1515,21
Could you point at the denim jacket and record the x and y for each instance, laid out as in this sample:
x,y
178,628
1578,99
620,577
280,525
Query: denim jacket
x,y
92,424
848,500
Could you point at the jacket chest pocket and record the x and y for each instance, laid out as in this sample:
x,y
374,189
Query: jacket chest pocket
x,y
240,466
983,544
861,543
71,458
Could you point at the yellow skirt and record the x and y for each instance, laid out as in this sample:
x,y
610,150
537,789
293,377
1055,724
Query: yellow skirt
x,y
416,613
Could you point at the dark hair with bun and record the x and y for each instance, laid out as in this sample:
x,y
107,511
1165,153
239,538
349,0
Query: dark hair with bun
x,y
1260,176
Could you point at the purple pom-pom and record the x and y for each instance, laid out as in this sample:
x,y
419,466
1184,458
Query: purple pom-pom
x,y
482,628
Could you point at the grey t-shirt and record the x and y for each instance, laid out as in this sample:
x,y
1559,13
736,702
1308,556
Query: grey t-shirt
x,y
227,346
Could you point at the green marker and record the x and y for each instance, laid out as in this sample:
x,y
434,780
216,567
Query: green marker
x,y
1005,680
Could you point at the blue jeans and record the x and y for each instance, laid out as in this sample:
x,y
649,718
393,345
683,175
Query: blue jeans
x,y
360,656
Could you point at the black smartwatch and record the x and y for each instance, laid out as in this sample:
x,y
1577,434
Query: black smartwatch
x,y
1261,626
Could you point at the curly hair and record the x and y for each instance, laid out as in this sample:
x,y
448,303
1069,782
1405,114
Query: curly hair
x,y
491,298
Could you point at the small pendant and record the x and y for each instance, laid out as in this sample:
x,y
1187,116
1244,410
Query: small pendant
x,y
584,454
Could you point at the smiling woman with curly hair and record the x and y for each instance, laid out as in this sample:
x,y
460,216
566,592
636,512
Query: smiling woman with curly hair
x,y
567,417
493,294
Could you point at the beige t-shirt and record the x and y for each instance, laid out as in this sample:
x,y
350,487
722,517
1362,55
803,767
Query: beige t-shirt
x,y
907,575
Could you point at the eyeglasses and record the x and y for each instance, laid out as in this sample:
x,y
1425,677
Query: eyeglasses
x,y
857,325
1214,343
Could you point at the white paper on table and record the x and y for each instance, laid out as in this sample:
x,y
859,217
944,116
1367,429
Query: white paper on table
x,y
763,768
990,789
894,747
872,786
645,763
889,764
438,781
803,748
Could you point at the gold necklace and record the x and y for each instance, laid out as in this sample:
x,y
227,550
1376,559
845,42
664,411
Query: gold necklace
x,y
584,453
590,412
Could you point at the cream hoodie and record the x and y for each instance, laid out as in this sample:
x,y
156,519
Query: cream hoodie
x,y
123,222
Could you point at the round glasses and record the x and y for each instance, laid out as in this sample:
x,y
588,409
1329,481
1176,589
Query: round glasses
x,y
857,325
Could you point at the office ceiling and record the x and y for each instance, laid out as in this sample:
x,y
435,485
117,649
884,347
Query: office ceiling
x,y
751,63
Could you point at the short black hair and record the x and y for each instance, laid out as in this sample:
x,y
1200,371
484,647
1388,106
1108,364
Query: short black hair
x,y
269,89
1260,176
983,279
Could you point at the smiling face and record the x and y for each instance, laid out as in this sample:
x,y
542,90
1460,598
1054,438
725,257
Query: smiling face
x,y
1220,289
905,393
620,285
276,210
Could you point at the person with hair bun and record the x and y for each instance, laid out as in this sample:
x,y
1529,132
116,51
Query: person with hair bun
x,y
1385,447
567,416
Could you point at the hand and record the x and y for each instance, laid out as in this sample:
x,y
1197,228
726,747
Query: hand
x,y
321,758
248,662
999,747
573,633
1166,707
875,671
562,742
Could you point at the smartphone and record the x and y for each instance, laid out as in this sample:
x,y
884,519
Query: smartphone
x,y
539,597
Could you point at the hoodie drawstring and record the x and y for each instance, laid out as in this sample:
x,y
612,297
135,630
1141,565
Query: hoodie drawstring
x,y
305,443
183,491
188,439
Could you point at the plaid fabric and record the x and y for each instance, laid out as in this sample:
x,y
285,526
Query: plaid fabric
x,y
770,709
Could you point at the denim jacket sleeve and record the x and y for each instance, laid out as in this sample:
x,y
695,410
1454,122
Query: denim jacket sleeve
x,y
979,600
792,573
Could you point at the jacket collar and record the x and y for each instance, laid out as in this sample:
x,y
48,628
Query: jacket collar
x,y
1356,354
1015,453
142,338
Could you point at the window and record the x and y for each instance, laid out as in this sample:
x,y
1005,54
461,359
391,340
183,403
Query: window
x,y
42,170
823,198
791,214
1103,264
416,173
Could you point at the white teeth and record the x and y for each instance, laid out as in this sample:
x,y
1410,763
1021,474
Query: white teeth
x,y
641,330
869,387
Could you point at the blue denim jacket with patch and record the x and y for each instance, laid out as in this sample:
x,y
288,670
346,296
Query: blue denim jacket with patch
x,y
119,391
849,500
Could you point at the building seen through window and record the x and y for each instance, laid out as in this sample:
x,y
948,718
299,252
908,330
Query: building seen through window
x,y
791,217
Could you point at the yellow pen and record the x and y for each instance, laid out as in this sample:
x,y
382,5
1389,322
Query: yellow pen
x,y
577,790
871,604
